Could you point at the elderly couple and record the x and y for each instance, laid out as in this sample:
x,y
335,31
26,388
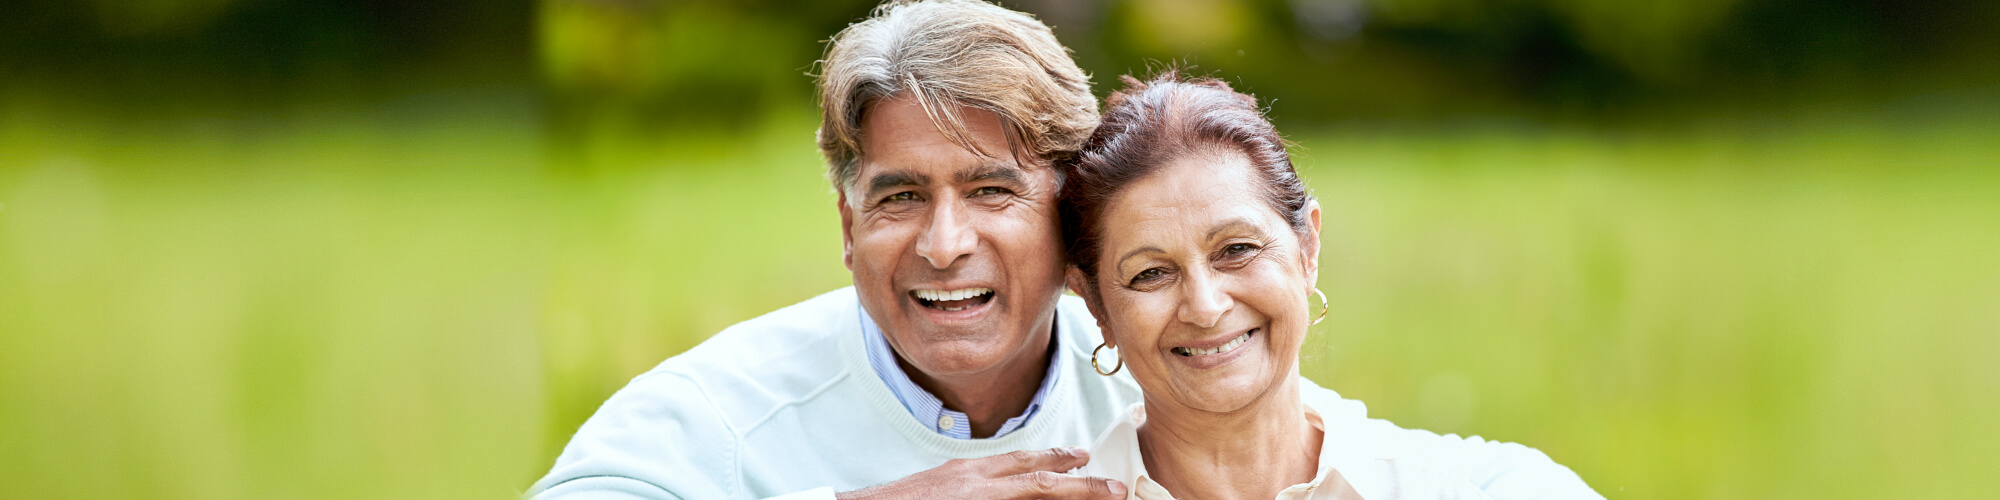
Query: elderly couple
x,y
976,181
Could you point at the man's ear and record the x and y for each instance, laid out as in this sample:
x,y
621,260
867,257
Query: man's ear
x,y
1080,285
1311,242
846,229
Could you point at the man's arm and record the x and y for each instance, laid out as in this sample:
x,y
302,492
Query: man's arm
x,y
656,438
659,438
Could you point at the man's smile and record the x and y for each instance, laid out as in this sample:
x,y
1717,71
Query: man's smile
x,y
952,300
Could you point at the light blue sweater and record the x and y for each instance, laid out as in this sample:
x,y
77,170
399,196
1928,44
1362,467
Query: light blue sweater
x,y
787,402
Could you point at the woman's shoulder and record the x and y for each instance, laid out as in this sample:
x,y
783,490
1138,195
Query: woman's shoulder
x,y
1502,469
1115,454
1347,424
1328,403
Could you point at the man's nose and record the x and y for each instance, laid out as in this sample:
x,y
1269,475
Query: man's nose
x,y
949,236
1203,300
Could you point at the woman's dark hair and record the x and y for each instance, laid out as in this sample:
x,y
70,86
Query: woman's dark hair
x,y
1148,124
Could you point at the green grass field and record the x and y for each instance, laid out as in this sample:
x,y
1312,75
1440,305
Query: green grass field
x,y
341,303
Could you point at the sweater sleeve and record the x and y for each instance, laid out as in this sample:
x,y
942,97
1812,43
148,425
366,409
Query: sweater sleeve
x,y
1513,471
1505,471
659,437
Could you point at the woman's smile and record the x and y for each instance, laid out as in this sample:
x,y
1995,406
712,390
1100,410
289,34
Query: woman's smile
x,y
1206,355
1227,345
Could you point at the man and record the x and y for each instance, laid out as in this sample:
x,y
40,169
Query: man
x,y
953,368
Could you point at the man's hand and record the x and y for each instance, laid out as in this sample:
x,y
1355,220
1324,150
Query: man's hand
x,y
1017,475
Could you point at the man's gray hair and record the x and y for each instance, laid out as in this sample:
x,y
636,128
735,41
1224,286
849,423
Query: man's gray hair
x,y
950,53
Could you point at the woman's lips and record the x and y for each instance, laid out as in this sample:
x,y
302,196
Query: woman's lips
x,y
1225,348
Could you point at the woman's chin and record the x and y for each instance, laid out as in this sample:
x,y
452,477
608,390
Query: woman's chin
x,y
1222,393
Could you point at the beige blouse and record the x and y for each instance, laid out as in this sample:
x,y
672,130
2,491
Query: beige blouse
x,y
1362,458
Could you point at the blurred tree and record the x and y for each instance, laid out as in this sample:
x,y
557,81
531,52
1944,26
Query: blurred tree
x,y
654,63
220,53
636,68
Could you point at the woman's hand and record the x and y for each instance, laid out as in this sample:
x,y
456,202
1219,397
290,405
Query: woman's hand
x,y
1017,475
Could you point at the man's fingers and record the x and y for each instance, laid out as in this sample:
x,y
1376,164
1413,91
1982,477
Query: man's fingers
x,y
1050,460
1045,484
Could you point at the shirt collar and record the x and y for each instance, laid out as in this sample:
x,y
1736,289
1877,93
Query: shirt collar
x,y
927,408
1116,455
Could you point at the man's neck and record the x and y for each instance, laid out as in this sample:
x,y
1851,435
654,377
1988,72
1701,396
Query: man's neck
x,y
989,398
1253,453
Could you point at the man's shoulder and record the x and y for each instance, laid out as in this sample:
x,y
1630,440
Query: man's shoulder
x,y
1107,395
679,427
1078,328
767,361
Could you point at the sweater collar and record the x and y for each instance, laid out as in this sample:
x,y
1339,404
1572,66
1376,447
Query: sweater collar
x,y
926,407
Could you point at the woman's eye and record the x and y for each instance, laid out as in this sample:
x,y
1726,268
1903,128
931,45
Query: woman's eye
x,y
1238,249
1147,275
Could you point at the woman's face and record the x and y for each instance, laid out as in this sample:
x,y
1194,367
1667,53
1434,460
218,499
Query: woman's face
x,y
1201,286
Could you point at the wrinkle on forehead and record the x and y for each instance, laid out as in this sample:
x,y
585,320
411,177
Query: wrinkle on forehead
x,y
1189,200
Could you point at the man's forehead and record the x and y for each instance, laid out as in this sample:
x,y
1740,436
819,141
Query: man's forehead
x,y
875,175
900,134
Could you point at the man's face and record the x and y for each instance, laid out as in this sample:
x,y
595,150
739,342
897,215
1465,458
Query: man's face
x,y
955,256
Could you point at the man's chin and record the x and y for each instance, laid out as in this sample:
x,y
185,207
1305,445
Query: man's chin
x,y
960,356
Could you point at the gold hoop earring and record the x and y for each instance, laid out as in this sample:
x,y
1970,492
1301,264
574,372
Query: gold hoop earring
x,y
1323,306
1100,370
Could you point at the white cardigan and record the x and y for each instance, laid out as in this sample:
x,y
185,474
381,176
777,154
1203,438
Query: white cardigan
x,y
787,403
1368,459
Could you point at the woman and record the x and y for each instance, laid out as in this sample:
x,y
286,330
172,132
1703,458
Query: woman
x,y
1196,246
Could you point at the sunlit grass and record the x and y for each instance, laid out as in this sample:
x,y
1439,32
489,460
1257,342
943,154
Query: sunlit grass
x,y
362,303
1791,319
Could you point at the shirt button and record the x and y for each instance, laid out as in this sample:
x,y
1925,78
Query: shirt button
x,y
945,422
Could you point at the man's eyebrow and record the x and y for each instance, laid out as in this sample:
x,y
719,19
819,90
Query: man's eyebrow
x,y
895,179
991,171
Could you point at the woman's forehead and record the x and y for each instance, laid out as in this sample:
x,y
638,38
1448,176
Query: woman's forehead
x,y
1192,198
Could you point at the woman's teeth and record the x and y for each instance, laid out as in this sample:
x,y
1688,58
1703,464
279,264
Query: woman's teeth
x,y
1226,347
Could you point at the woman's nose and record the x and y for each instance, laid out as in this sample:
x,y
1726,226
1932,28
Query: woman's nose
x,y
948,237
1202,300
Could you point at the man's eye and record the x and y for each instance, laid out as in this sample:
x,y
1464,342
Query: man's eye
x,y
903,196
990,190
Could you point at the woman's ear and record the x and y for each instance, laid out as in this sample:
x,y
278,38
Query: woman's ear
x,y
1080,285
1310,243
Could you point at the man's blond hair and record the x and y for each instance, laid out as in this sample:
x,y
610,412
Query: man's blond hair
x,y
946,54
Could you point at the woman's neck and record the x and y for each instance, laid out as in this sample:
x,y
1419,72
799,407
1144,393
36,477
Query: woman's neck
x,y
1253,453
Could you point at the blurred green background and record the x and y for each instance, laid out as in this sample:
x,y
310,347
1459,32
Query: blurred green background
x,y
383,249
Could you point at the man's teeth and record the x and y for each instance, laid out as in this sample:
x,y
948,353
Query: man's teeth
x,y
1225,347
949,297
943,295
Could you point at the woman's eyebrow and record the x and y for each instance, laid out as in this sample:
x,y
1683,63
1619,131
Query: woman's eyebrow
x,y
1237,223
1137,251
